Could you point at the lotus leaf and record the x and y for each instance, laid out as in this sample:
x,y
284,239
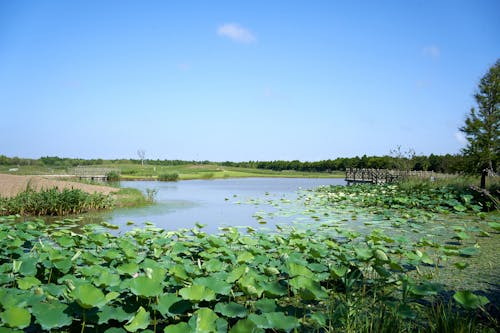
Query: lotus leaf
x,y
16,317
107,313
88,296
140,321
204,320
197,293
51,315
165,302
216,284
146,287
469,300
129,268
231,310
295,270
28,282
28,266
245,326
179,328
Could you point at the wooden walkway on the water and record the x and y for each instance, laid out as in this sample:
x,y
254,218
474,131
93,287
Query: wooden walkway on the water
x,y
381,176
92,173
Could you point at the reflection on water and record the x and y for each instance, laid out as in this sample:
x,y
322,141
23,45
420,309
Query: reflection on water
x,y
215,203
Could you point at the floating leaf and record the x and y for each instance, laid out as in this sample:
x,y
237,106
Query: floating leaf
x,y
51,315
16,317
178,328
204,321
197,293
108,313
146,287
139,322
494,225
245,326
231,310
469,300
28,282
468,251
88,296
165,301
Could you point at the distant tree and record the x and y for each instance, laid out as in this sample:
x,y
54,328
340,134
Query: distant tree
x,y
403,160
142,154
482,125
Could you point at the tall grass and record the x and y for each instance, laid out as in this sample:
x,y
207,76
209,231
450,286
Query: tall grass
x,y
54,202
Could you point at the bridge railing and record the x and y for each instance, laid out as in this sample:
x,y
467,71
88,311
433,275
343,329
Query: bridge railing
x,y
381,176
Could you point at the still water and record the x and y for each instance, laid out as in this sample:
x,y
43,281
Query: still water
x,y
214,203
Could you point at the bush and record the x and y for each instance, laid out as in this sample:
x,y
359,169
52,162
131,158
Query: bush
x,y
113,176
168,177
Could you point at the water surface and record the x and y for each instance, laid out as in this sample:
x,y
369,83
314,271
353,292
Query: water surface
x,y
214,203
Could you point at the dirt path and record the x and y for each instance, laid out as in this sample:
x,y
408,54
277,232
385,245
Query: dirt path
x,y
11,185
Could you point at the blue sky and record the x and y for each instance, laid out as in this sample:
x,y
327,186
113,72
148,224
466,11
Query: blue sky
x,y
226,80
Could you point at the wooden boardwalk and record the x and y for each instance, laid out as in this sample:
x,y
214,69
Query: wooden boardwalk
x,y
92,173
382,176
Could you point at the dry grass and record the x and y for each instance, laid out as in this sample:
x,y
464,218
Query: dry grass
x,y
11,185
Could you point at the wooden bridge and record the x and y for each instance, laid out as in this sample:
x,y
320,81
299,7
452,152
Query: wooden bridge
x,y
92,173
382,176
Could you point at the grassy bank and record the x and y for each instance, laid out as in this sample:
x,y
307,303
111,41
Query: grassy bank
x,y
130,171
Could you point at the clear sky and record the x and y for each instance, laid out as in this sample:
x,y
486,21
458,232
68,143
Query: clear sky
x,y
234,80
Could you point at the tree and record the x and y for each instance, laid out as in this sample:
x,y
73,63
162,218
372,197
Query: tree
x,y
482,126
142,154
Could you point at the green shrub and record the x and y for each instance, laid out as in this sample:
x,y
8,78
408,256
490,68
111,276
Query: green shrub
x,y
54,202
113,176
168,177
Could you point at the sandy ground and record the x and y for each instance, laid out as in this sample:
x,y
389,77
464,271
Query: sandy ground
x,y
11,185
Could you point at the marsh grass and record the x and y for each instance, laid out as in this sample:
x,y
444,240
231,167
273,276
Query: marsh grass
x,y
53,202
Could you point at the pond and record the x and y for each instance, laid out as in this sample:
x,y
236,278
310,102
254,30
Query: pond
x,y
214,203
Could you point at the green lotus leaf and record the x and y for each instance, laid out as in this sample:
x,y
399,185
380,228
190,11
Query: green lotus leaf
x,y
107,279
245,326
115,330
468,251
178,328
28,266
179,272
265,305
218,285
274,288
308,288
295,270
244,257
51,315
140,321
146,287
107,313
469,300
231,310
63,265
278,320
165,301
128,268
236,273
426,289
16,317
197,293
28,282
204,320
88,296
494,225
363,253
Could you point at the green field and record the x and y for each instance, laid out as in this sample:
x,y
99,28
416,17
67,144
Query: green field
x,y
131,171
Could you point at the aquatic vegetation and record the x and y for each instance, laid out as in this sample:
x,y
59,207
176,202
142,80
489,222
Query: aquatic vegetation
x,y
322,280
168,177
54,202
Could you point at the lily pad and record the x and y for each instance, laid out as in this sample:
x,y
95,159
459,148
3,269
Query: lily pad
x,y
469,300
